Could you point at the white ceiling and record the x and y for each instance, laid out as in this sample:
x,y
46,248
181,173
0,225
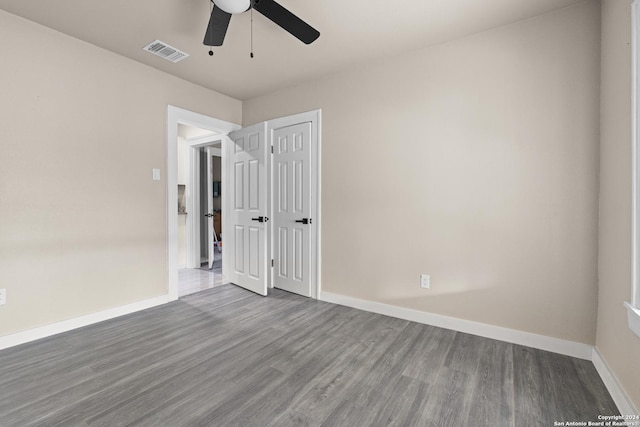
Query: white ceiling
x,y
352,32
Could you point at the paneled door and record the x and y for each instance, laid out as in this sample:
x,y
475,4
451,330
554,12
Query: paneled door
x,y
292,208
210,214
247,244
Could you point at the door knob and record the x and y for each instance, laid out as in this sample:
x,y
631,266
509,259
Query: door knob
x,y
304,220
260,219
209,215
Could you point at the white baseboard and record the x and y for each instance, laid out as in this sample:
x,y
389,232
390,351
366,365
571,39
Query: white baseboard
x,y
556,345
620,397
78,322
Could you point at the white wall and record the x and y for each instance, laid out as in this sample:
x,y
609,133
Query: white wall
x,y
474,161
82,224
617,344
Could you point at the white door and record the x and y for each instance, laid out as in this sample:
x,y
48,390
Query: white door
x,y
210,213
247,244
292,221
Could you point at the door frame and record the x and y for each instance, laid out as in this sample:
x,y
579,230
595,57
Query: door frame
x,y
175,116
192,199
211,231
315,235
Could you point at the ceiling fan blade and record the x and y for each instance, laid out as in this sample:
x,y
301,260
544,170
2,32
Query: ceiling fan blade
x,y
287,20
217,28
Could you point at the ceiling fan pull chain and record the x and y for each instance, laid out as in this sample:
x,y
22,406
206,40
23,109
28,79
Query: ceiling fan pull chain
x,y
210,10
251,54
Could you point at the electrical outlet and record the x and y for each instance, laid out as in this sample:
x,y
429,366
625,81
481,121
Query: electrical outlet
x,y
3,296
425,281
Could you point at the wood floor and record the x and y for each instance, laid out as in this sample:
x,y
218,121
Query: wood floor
x,y
226,357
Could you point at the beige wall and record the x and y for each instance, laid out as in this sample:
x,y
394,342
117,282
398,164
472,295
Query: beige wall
x,y
475,162
617,344
82,225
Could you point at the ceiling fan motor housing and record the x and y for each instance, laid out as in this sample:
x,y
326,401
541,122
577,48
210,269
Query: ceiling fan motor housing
x,y
233,6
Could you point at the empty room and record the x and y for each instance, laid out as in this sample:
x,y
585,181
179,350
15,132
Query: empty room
x,y
319,213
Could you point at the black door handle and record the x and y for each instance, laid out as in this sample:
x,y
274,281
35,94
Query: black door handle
x,y
260,219
209,215
304,220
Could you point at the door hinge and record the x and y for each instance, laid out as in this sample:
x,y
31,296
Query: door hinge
x,y
272,149
273,263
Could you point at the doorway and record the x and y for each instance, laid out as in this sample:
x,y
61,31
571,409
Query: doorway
x,y
247,205
199,210
212,128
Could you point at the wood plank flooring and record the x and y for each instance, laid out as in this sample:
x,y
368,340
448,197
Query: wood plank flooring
x,y
226,357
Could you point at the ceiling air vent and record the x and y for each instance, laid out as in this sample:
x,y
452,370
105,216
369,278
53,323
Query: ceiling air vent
x,y
165,51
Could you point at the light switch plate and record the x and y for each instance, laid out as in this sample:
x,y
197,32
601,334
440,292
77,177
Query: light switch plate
x,y
156,174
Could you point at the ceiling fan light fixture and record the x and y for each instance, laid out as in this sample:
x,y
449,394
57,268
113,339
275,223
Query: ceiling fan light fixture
x,y
233,6
223,9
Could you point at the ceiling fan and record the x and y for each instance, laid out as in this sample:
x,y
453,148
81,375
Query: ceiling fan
x,y
223,9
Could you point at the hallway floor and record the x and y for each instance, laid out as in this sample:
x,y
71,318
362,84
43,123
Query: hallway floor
x,y
192,280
